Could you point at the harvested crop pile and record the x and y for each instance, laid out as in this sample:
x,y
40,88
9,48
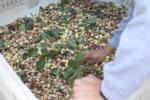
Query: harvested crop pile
x,y
46,51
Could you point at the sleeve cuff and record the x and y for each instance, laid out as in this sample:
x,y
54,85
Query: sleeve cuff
x,y
109,93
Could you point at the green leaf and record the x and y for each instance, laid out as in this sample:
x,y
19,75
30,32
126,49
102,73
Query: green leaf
x,y
71,74
56,32
44,52
59,46
89,22
73,11
62,19
23,77
32,52
25,56
40,63
99,14
77,74
74,69
44,35
44,45
80,40
72,63
53,53
69,11
2,43
49,33
69,71
79,57
72,44
63,2
56,72
28,23
77,61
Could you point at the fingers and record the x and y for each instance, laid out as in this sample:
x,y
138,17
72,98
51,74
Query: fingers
x,y
92,56
83,80
90,75
82,85
87,55
91,62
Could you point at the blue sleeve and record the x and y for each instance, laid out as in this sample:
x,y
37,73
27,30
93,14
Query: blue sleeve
x,y
117,33
131,65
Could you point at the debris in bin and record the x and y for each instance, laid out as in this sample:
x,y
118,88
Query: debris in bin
x,y
42,47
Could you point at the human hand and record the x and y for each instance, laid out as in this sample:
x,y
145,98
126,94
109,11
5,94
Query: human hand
x,y
87,88
97,55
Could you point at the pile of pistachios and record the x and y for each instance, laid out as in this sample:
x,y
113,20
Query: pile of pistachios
x,y
46,50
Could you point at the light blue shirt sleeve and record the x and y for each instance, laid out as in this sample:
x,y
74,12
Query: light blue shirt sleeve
x,y
118,32
131,66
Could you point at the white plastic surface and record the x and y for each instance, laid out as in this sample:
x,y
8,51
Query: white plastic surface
x,y
10,10
22,9
11,86
9,4
30,3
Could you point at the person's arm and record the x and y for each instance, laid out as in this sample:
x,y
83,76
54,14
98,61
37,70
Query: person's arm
x,y
97,55
123,24
131,65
